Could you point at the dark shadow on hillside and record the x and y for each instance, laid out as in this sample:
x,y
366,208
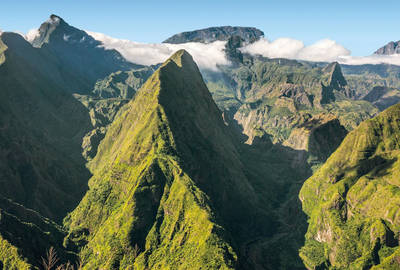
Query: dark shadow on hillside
x,y
277,174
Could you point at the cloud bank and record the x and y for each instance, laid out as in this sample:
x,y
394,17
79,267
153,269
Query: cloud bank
x,y
322,51
325,50
374,59
207,56
212,55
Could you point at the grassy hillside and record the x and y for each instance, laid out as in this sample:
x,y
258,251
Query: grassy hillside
x,y
352,200
180,161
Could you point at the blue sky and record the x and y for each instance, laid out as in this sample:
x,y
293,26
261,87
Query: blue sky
x,y
360,26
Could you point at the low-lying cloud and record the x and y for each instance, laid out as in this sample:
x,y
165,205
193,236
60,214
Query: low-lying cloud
x,y
212,55
374,59
207,56
325,50
31,35
322,51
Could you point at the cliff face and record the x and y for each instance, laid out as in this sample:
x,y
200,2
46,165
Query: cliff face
x,y
389,49
319,136
207,35
352,199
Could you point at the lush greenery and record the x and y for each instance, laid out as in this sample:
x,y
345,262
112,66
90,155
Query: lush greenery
x,y
352,200
172,182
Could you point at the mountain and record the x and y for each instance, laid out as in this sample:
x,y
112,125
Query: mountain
x,y
82,58
277,95
41,130
335,81
43,127
389,49
190,170
383,97
170,175
42,172
363,78
319,136
352,200
207,35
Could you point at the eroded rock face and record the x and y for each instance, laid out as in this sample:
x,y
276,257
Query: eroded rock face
x,y
207,35
389,49
319,136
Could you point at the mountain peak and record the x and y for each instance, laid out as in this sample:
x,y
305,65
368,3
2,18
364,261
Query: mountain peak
x,y
180,58
333,80
47,29
336,78
389,49
172,134
55,19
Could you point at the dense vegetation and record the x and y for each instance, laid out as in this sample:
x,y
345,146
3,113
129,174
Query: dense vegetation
x,y
184,179
352,200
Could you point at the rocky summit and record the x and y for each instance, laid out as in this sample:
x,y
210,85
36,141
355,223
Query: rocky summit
x,y
389,49
207,35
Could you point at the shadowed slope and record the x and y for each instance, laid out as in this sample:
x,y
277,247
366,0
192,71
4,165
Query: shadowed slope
x,y
41,127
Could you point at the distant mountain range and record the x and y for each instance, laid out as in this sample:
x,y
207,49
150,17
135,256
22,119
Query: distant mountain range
x,y
126,166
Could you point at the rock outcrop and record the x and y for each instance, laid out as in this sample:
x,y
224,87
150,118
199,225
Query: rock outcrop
x,y
389,49
223,33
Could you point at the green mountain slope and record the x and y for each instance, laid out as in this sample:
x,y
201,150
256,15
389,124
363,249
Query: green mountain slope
x,y
41,130
42,126
25,237
352,200
169,177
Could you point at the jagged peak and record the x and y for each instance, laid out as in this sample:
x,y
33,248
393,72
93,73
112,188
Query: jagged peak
x,y
336,78
389,49
54,19
56,24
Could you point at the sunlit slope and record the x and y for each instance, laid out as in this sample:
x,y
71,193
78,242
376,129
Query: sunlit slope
x,y
353,200
167,181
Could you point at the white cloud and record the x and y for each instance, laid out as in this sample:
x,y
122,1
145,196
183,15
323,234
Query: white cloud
x,y
207,56
323,50
211,55
31,35
372,59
